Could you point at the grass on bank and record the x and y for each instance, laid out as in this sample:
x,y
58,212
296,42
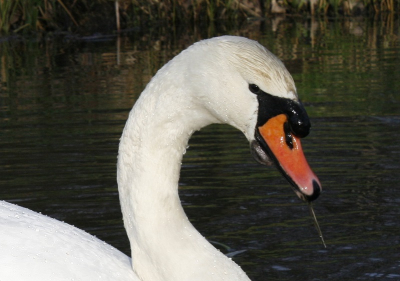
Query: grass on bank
x,y
72,15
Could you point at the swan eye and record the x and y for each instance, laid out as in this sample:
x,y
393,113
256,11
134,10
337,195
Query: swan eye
x,y
254,89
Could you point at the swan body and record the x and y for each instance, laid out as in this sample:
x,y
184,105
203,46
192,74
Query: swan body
x,y
226,79
37,247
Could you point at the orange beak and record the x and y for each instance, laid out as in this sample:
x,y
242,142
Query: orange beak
x,y
285,150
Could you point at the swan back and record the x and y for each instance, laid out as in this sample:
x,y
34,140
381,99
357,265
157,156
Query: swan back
x,y
36,247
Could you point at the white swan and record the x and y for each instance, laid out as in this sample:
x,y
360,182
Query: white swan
x,y
229,80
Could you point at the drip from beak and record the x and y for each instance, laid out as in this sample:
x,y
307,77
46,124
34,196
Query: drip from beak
x,y
275,142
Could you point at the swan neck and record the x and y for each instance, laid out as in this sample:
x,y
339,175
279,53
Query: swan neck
x,y
164,244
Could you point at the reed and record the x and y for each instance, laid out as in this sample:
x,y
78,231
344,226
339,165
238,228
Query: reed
x,y
7,14
106,15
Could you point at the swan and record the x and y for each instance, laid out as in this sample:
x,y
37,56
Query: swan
x,y
228,79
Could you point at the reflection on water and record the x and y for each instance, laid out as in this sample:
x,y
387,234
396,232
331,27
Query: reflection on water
x,y
63,104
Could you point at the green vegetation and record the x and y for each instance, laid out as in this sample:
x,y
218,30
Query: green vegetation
x,y
93,15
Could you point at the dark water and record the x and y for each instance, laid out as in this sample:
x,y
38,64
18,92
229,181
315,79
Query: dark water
x,y
64,102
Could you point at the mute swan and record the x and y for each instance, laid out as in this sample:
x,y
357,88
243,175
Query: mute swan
x,y
226,79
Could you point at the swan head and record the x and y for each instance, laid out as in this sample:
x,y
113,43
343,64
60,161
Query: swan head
x,y
243,84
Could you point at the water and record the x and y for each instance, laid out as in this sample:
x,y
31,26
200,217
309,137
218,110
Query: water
x,y
64,102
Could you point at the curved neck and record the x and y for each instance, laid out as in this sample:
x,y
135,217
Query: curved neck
x,y
164,244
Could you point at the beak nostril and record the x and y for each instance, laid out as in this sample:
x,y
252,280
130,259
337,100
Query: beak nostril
x,y
288,135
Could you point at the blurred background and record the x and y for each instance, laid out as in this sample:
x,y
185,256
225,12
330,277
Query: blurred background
x,y
68,79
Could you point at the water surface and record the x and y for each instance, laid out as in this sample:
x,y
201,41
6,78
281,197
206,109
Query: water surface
x,y
64,102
